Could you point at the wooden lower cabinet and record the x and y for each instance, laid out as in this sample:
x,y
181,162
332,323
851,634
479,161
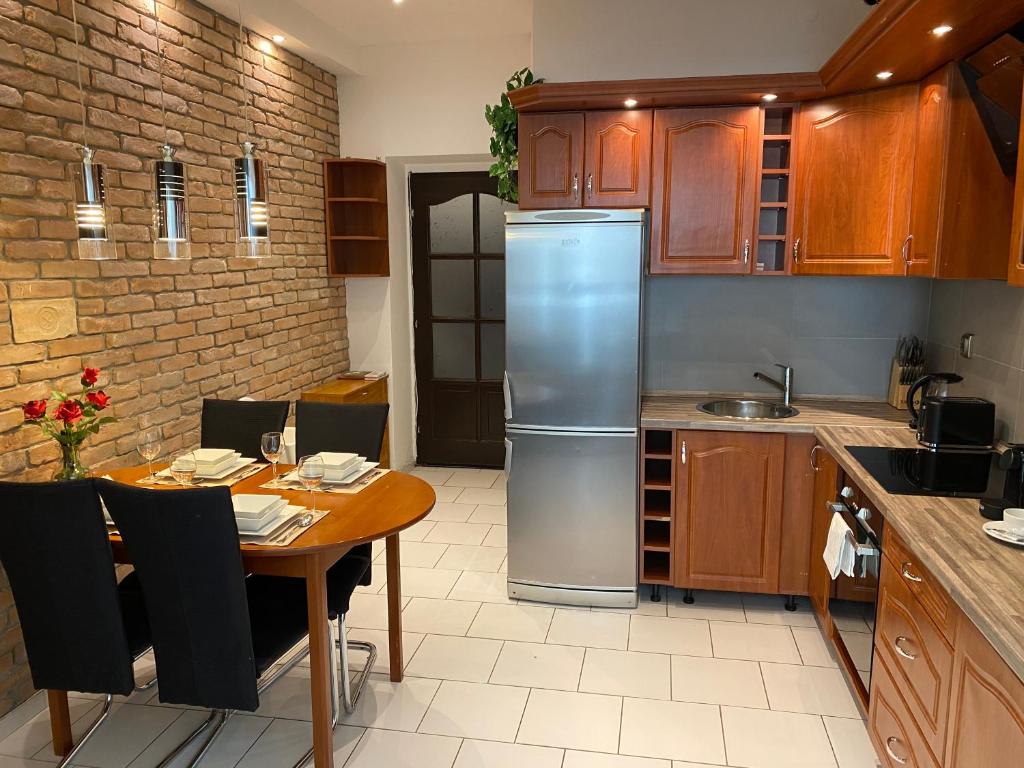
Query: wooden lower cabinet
x,y
986,717
365,391
826,485
728,510
897,740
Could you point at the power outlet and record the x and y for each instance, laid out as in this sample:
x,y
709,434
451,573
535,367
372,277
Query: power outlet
x,y
967,345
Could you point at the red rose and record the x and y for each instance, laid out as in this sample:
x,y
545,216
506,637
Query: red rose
x,y
69,411
90,376
34,409
100,399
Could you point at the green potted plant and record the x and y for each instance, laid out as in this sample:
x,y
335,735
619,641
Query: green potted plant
x,y
504,122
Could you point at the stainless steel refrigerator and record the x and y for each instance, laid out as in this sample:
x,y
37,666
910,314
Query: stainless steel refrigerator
x,y
572,402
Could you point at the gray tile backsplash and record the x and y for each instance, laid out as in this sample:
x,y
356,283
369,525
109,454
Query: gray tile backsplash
x,y
710,333
994,313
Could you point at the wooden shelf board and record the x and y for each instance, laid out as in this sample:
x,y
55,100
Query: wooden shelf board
x,y
356,200
657,547
666,486
777,137
658,517
775,171
365,238
772,238
656,576
358,274
764,204
662,455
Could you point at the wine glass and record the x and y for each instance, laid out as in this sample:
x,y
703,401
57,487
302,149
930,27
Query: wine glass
x,y
149,446
311,474
183,468
272,445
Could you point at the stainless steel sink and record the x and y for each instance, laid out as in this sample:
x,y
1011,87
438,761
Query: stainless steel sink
x,y
748,409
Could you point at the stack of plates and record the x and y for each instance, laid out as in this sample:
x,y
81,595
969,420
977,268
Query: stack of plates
x,y
339,466
256,513
218,463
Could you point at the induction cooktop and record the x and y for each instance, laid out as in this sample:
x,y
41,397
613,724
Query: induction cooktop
x,y
920,472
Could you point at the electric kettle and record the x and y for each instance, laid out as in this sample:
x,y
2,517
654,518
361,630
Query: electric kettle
x,y
930,385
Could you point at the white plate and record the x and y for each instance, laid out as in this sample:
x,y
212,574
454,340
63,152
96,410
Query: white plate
x,y
996,529
355,475
275,524
253,505
249,524
217,476
213,455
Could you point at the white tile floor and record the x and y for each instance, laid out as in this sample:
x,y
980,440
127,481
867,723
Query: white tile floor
x,y
732,680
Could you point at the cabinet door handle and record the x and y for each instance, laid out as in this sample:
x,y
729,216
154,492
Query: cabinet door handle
x,y
576,185
910,575
898,645
892,740
814,450
682,451
746,251
590,184
905,252
796,250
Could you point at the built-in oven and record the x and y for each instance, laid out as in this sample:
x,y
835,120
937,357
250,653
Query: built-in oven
x,y
852,600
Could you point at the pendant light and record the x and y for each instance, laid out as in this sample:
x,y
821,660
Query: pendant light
x,y
252,208
95,241
171,229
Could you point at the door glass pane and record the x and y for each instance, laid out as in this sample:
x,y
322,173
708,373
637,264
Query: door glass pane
x,y
454,351
451,226
492,223
492,350
451,287
492,289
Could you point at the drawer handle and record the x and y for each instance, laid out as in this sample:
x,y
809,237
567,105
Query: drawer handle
x,y
888,748
909,575
898,645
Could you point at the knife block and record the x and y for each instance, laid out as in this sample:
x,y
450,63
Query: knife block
x,y
897,391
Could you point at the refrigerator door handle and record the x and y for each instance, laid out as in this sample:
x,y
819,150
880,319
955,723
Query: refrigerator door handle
x,y
508,457
506,389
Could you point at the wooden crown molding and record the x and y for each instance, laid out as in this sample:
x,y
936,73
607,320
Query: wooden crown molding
x,y
895,36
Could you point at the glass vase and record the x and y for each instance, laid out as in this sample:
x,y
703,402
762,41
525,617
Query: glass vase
x,y
70,464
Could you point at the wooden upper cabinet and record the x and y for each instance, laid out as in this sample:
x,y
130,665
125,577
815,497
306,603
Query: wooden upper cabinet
x,y
704,185
855,162
962,201
551,160
727,533
986,715
617,161
1016,272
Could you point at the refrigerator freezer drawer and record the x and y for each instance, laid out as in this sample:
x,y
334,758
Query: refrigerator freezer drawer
x,y
572,510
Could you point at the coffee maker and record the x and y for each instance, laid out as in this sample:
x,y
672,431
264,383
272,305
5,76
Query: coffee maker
x,y
1011,462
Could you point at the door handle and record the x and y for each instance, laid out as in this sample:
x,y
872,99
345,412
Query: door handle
x,y
576,186
905,253
682,452
746,251
796,250
590,185
508,457
506,390
814,450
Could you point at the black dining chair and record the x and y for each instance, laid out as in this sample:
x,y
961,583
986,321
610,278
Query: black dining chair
x,y
219,638
344,428
239,424
82,630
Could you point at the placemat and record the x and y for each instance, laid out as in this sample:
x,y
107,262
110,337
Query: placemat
x,y
289,533
290,482
159,478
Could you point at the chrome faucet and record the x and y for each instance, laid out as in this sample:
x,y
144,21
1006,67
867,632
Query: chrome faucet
x,y
785,386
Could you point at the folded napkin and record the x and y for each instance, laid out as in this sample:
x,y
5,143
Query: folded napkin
x,y
841,548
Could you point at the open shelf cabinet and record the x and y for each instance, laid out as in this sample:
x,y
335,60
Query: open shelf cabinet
x,y
773,218
356,217
656,502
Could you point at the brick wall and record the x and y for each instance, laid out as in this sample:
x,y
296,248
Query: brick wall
x,y
166,334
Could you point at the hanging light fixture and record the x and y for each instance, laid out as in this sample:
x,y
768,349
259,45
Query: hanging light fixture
x,y
171,230
252,207
95,242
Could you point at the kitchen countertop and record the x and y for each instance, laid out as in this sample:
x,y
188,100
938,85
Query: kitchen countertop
x,y
983,576
679,411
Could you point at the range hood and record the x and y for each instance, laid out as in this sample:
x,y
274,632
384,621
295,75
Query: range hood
x,y
995,79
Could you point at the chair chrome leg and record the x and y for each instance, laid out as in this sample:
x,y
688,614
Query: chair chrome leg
x,y
85,737
217,718
351,689
332,636
147,685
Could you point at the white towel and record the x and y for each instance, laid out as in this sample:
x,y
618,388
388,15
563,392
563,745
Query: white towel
x,y
841,548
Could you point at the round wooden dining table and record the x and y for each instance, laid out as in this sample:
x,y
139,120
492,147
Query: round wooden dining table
x,y
388,505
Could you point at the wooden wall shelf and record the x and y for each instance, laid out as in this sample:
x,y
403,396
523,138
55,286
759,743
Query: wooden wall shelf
x,y
356,217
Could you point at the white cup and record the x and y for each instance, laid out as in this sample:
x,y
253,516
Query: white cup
x,y
1013,518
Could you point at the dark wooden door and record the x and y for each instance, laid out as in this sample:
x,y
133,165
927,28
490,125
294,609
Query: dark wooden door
x,y
855,165
551,160
727,533
703,190
458,246
618,159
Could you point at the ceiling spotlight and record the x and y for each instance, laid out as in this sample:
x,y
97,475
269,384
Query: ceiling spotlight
x,y
885,74
769,97
630,103
942,29
398,2
278,38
